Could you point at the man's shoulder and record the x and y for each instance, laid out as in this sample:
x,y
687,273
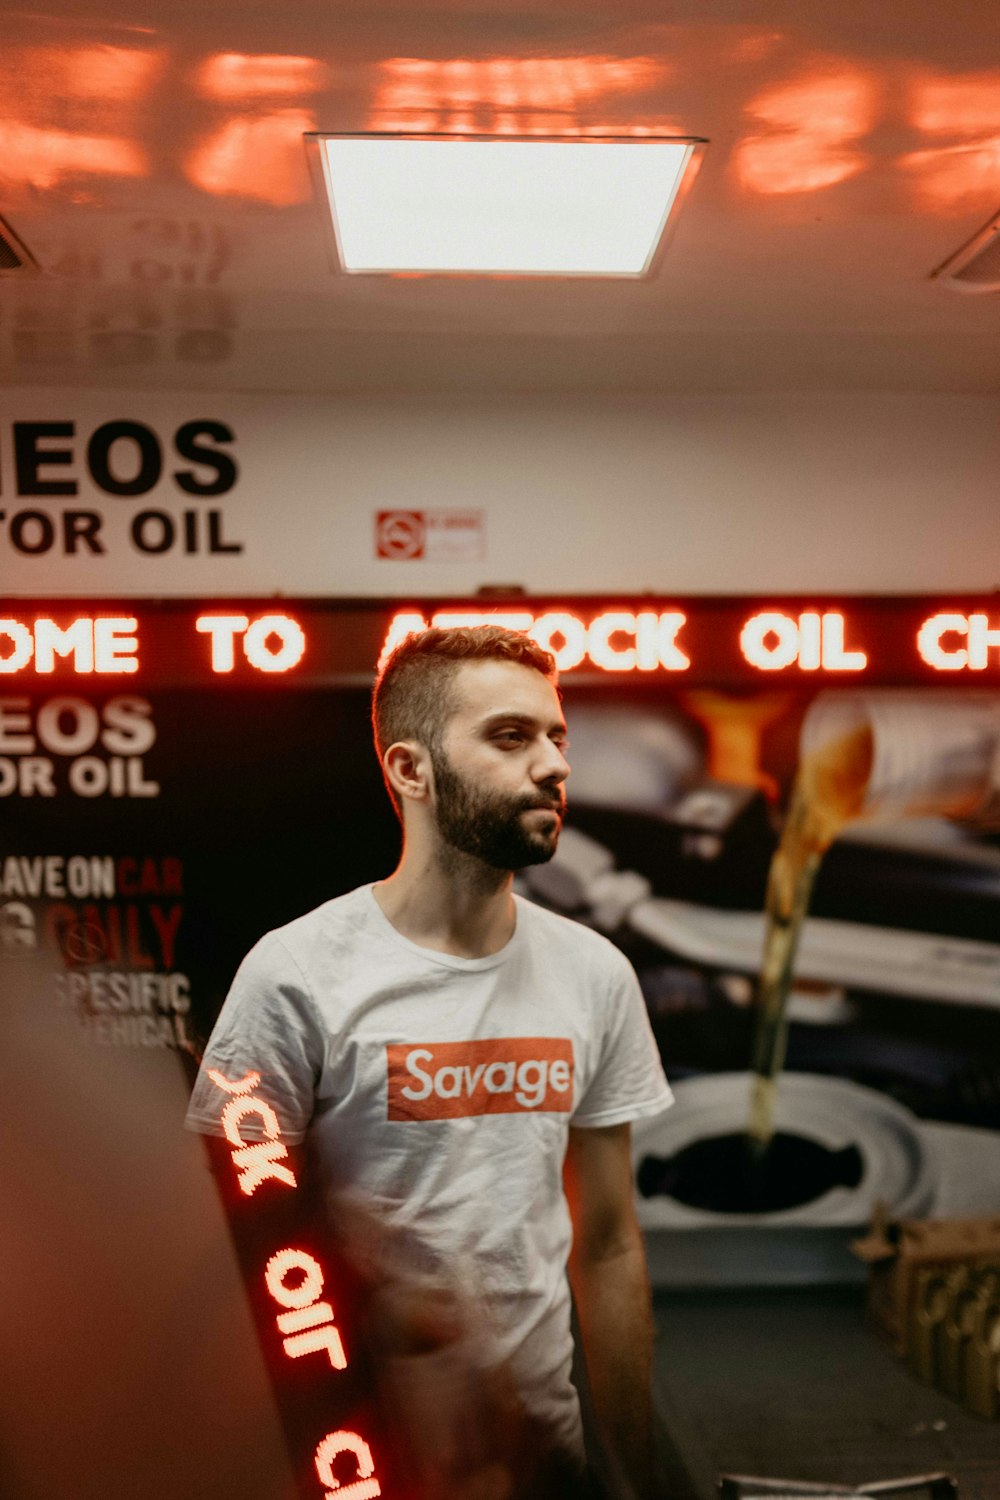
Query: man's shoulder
x,y
332,922
572,940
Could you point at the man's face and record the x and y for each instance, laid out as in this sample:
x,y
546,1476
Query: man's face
x,y
499,771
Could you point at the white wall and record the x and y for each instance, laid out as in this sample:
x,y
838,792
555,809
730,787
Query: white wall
x,y
773,493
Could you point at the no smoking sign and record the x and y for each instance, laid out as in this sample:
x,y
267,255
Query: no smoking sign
x,y
440,535
400,533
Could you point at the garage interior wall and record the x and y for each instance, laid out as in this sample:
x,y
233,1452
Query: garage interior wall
x,y
703,494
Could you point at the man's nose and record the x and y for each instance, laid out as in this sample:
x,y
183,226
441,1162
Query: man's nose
x,y
552,764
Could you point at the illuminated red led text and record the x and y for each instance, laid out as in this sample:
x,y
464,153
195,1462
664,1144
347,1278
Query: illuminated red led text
x,y
102,645
255,1161
615,641
773,640
308,1323
366,1486
271,643
770,640
294,1280
959,643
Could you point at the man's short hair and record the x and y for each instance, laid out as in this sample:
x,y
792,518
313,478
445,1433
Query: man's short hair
x,y
413,697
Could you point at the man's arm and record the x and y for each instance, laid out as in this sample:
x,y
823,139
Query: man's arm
x,y
607,1272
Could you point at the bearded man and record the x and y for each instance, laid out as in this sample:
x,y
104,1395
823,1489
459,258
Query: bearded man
x,y
464,1065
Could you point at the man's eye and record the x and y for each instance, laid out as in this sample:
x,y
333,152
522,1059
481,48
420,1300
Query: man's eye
x,y
509,737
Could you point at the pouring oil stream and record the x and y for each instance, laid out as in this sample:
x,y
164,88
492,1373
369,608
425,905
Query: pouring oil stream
x,y
829,792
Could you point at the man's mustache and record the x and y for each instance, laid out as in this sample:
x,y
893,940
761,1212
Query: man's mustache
x,y
556,803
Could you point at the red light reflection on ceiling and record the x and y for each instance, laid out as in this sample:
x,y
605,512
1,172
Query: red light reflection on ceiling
x,y
117,74
506,95
67,112
255,156
811,127
247,75
512,82
539,123
968,105
755,45
955,177
42,158
38,80
964,113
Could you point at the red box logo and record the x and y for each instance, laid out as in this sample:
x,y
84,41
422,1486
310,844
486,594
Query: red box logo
x,y
498,1076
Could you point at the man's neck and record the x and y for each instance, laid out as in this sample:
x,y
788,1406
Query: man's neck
x,y
449,902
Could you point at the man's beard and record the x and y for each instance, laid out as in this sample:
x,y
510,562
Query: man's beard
x,y
487,825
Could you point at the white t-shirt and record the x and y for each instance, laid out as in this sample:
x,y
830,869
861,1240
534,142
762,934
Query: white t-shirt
x,y
440,1090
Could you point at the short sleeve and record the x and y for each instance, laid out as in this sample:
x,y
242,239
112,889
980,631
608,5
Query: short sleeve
x,y
268,1025
628,1082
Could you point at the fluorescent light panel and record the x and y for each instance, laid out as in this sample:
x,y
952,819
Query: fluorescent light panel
x,y
500,207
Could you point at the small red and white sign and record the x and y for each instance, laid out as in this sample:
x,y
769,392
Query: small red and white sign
x,y
443,534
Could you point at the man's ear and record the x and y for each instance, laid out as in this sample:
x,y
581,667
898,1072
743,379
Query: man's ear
x,y
407,767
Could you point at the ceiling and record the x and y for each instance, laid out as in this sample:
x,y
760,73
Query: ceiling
x,y
152,160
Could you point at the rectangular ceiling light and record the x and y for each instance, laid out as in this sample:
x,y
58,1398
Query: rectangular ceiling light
x,y
496,206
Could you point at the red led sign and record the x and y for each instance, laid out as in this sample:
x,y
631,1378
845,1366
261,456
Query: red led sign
x,y
309,1323
103,645
701,641
256,638
613,640
295,1281
770,640
948,656
773,640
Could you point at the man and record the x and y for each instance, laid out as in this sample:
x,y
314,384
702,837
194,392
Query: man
x,y
446,1047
